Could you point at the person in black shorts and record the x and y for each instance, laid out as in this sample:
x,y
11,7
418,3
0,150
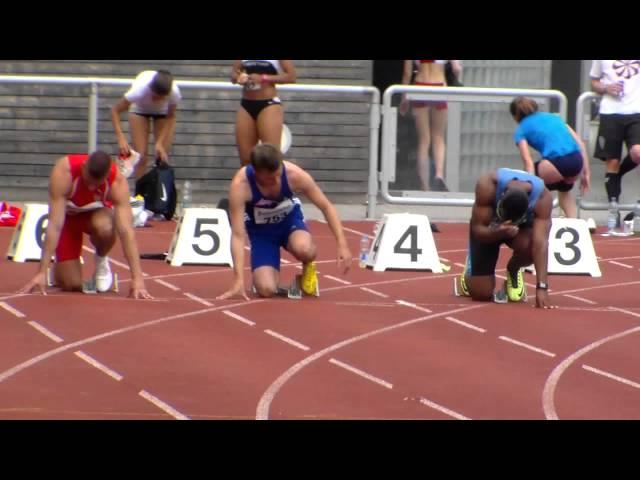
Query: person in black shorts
x,y
511,207
618,81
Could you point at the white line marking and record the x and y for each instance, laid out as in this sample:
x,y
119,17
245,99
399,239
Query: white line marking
x,y
442,259
580,299
414,306
526,345
357,371
282,260
162,405
115,262
12,310
286,339
93,362
339,280
465,324
4,375
611,376
374,292
548,393
170,286
262,411
198,299
442,409
461,265
620,264
45,332
238,317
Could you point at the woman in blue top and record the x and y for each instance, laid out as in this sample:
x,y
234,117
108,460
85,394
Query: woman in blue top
x,y
563,153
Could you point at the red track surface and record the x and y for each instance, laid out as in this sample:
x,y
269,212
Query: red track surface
x,y
350,354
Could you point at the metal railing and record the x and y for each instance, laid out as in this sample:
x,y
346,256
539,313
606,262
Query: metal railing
x,y
453,94
95,82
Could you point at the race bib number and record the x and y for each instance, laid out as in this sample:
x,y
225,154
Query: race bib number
x,y
277,214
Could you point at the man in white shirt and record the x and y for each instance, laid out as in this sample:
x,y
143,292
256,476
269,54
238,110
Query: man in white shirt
x,y
153,95
618,81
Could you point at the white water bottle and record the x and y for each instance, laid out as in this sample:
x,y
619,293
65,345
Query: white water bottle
x,y
612,217
636,218
186,195
364,251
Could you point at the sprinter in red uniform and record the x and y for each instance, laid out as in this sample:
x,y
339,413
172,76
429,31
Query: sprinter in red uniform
x,y
88,195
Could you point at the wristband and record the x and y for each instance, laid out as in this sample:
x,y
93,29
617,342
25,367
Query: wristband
x,y
542,286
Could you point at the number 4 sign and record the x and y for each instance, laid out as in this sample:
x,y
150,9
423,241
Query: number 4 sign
x,y
571,249
404,241
202,236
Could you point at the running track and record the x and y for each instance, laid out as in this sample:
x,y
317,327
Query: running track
x,y
393,345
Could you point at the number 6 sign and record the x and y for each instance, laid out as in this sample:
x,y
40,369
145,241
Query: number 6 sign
x,y
571,249
202,236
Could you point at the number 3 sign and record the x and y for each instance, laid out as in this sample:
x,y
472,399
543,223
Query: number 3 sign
x,y
202,236
571,249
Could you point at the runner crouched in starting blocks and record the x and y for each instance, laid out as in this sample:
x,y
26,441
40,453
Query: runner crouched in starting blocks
x,y
87,194
511,207
262,204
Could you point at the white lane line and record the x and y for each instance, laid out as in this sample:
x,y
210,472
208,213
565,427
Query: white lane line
x,y
527,346
461,265
442,259
339,280
286,339
238,317
620,264
465,324
580,299
282,260
611,376
94,363
359,372
264,404
115,262
162,405
414,306
45,332
198,299
170,286
549,391
12,310
365,289
442,409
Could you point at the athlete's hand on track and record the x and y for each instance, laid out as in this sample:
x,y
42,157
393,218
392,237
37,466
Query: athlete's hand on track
x,y
37,281
235,290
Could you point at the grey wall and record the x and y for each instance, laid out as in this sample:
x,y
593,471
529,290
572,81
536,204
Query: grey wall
x,y
39,123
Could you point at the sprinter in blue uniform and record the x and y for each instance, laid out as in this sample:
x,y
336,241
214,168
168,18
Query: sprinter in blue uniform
x,y
262,205
511,207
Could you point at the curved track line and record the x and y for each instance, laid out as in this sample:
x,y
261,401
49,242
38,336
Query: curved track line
x,y
262,412
44,356
548,393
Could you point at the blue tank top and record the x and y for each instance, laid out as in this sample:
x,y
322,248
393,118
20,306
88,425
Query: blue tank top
x,y
506,175
268,211
547,133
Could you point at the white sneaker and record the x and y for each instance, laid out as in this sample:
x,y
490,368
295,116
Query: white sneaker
x,y
103,275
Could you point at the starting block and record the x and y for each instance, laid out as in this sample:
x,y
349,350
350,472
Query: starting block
x,y
88,286
293,292
499,296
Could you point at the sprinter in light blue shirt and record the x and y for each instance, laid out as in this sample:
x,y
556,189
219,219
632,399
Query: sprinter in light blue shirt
x,y
564,158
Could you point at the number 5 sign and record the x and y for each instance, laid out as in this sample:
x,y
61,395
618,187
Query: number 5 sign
x,y
202,236
571,249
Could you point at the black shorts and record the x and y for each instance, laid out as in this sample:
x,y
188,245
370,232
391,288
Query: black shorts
x,y
254,107
151,115
483,257
614,129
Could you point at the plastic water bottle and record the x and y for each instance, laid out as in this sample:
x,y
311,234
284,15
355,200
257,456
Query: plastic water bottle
x,y
636,218
364,251
186,195
612,217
